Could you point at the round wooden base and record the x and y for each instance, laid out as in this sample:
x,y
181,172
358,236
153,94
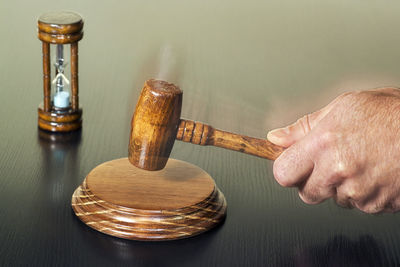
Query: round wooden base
x,y
121,200
63,120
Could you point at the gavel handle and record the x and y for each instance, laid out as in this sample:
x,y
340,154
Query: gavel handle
x,y
203,134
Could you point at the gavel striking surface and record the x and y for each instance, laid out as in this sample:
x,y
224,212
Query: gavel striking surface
x,y
245,67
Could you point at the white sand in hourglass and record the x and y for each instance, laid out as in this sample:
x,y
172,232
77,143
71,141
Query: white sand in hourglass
x,y
61,97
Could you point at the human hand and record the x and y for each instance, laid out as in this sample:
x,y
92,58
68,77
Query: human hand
x,y
348,150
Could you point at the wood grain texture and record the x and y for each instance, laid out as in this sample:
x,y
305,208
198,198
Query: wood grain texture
x,y
60,38
203,134
244,66
60,28
156,124
46,77
121,200
60,115
74,77
63,120
59,126
60,22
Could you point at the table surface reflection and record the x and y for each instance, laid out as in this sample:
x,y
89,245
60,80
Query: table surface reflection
x,y
244,66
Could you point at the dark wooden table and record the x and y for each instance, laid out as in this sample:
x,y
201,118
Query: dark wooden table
x,y
244,66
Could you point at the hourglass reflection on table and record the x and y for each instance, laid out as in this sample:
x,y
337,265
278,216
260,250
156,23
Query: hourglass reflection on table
x,y
60,111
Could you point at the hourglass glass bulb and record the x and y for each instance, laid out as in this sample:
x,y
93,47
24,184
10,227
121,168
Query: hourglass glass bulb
x,y
61,97
60,32
60,58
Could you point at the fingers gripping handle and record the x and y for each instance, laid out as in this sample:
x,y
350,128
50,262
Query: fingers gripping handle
x,y
203,134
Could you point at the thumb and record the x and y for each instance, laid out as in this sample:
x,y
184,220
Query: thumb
x,y
289,135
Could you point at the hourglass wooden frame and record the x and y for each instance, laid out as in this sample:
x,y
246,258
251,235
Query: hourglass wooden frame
x,y
60,28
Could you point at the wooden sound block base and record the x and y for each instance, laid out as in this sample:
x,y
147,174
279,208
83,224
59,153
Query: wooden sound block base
x,y
121,200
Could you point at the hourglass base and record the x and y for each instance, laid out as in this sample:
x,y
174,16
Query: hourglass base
x,y
59,120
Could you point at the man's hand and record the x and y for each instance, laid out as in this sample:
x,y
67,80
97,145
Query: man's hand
x,y
349,150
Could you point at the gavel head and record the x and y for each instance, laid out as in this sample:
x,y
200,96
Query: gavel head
x,y
155,124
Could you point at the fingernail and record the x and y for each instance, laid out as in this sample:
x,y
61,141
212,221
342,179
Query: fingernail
x,y
279,133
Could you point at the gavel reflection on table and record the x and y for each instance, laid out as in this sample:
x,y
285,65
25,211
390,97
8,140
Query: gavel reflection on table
x,y
162,199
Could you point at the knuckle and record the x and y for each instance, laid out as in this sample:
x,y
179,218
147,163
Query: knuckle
x,y
304,122
342,169
351,192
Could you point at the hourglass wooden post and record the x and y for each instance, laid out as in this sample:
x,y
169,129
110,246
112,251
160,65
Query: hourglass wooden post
x,y
60,110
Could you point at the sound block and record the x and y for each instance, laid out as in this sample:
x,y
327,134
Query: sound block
x,y
119,199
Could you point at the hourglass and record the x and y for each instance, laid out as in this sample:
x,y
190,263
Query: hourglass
x,y
60,110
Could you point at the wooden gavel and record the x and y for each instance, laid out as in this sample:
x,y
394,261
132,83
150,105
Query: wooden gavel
x,y
156,124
